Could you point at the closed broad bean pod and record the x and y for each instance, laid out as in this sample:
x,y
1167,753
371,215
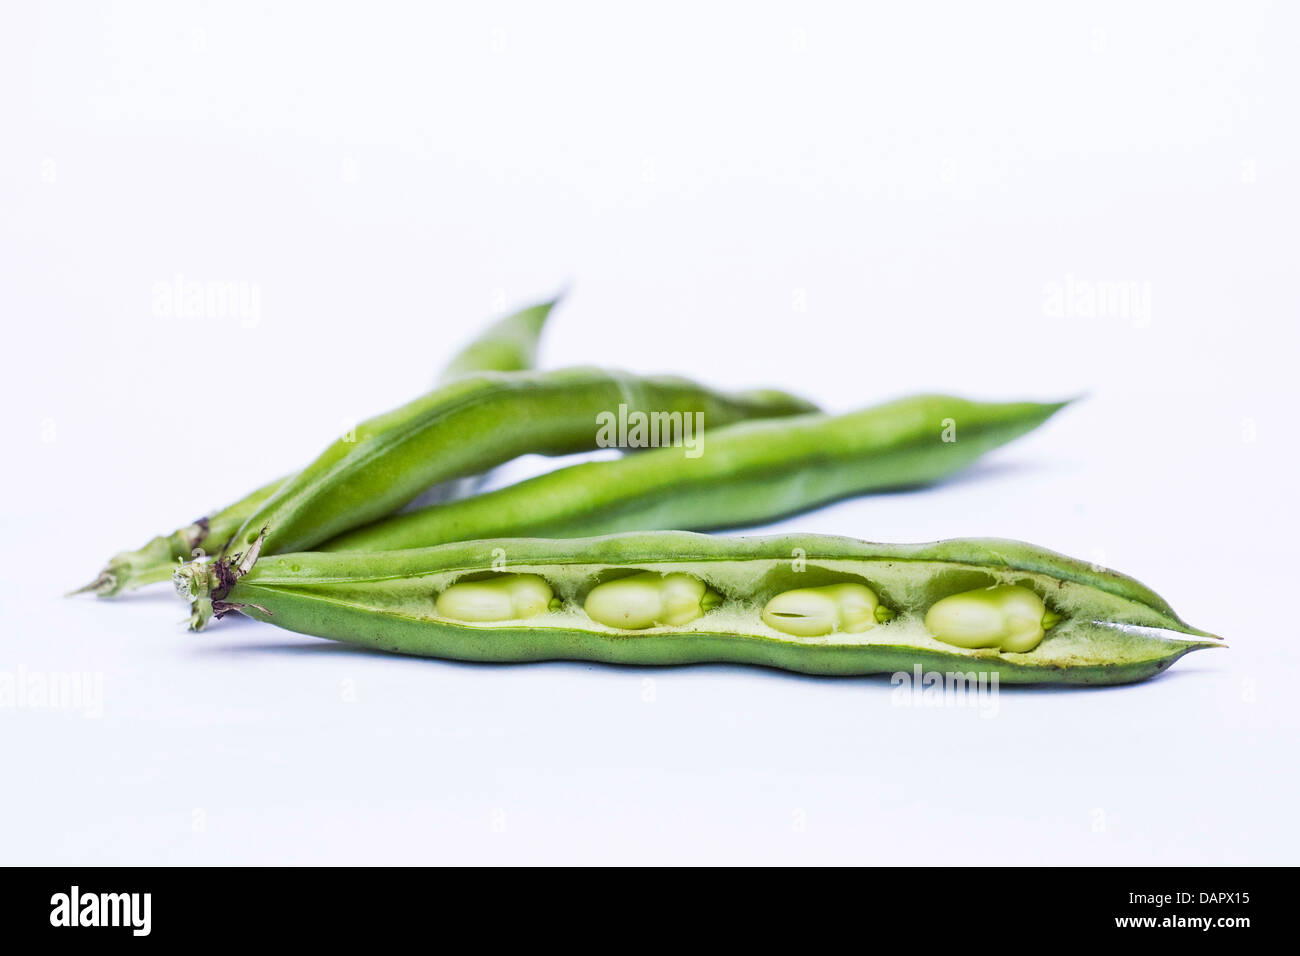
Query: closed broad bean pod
x,y
807,603
745,474
471,425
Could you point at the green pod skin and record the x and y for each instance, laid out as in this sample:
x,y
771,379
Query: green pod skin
x,y
467,427
749,473
1111,629
508,345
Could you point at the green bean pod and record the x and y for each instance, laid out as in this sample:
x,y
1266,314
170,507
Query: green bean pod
x,y
473,424
507,345
595,599
748,473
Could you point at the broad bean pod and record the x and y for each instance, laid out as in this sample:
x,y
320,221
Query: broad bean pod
x,y
748,473
473,424
806,603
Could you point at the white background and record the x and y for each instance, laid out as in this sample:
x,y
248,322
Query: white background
x,y
854,202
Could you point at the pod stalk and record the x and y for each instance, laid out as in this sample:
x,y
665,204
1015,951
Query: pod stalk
x,y
205,583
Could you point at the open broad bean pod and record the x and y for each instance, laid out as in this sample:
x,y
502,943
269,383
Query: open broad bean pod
x,y
806,603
